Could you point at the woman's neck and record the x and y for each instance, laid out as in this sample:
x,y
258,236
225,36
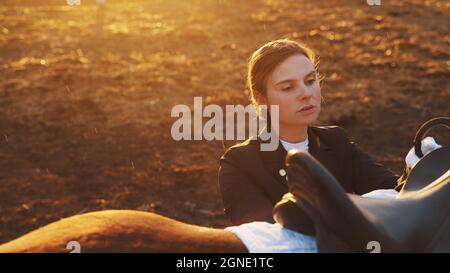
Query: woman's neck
x,y
293,134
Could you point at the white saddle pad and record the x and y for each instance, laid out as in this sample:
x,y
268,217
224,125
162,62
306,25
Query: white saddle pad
x,y
263,237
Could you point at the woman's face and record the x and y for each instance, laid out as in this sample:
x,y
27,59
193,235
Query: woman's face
x,y
293,85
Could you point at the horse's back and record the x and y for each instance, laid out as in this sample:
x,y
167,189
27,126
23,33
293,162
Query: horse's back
x,y
124,231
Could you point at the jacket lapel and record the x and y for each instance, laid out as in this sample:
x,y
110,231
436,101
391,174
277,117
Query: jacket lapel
x,y
322,152
274,161
274,164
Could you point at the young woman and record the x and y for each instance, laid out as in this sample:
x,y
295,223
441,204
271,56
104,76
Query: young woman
x,y
283,73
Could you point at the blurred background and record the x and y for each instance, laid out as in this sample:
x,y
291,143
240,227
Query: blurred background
x,y
86,93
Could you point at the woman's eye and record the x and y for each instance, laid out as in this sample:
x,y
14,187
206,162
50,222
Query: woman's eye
x,y
311,81
287,88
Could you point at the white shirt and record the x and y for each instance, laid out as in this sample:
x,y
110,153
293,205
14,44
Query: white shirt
x,y
303,145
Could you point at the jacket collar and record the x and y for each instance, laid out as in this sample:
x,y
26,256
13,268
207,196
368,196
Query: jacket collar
x,y
316,148
274,161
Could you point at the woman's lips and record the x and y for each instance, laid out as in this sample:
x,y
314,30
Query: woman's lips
x,y
306,109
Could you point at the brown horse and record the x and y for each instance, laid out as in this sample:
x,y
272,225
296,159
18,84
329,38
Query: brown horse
x,y
125,231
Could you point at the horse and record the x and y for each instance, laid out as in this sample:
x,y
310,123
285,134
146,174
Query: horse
x,y
125,231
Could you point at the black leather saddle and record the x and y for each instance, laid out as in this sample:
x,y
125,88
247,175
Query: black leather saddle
x,y
418,220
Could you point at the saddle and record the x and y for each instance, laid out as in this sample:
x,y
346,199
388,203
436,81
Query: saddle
x,y
418,220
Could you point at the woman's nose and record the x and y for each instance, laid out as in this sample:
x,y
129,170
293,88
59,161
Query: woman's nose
x,y
304,93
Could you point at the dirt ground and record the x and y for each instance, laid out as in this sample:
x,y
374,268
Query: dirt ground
x,y
86,94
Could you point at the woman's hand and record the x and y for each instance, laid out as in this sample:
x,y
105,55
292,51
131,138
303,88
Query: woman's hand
x,y
428,145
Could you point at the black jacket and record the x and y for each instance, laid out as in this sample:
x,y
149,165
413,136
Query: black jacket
x,y
251,182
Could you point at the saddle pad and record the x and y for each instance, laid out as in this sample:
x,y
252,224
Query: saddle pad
x,y
263,237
